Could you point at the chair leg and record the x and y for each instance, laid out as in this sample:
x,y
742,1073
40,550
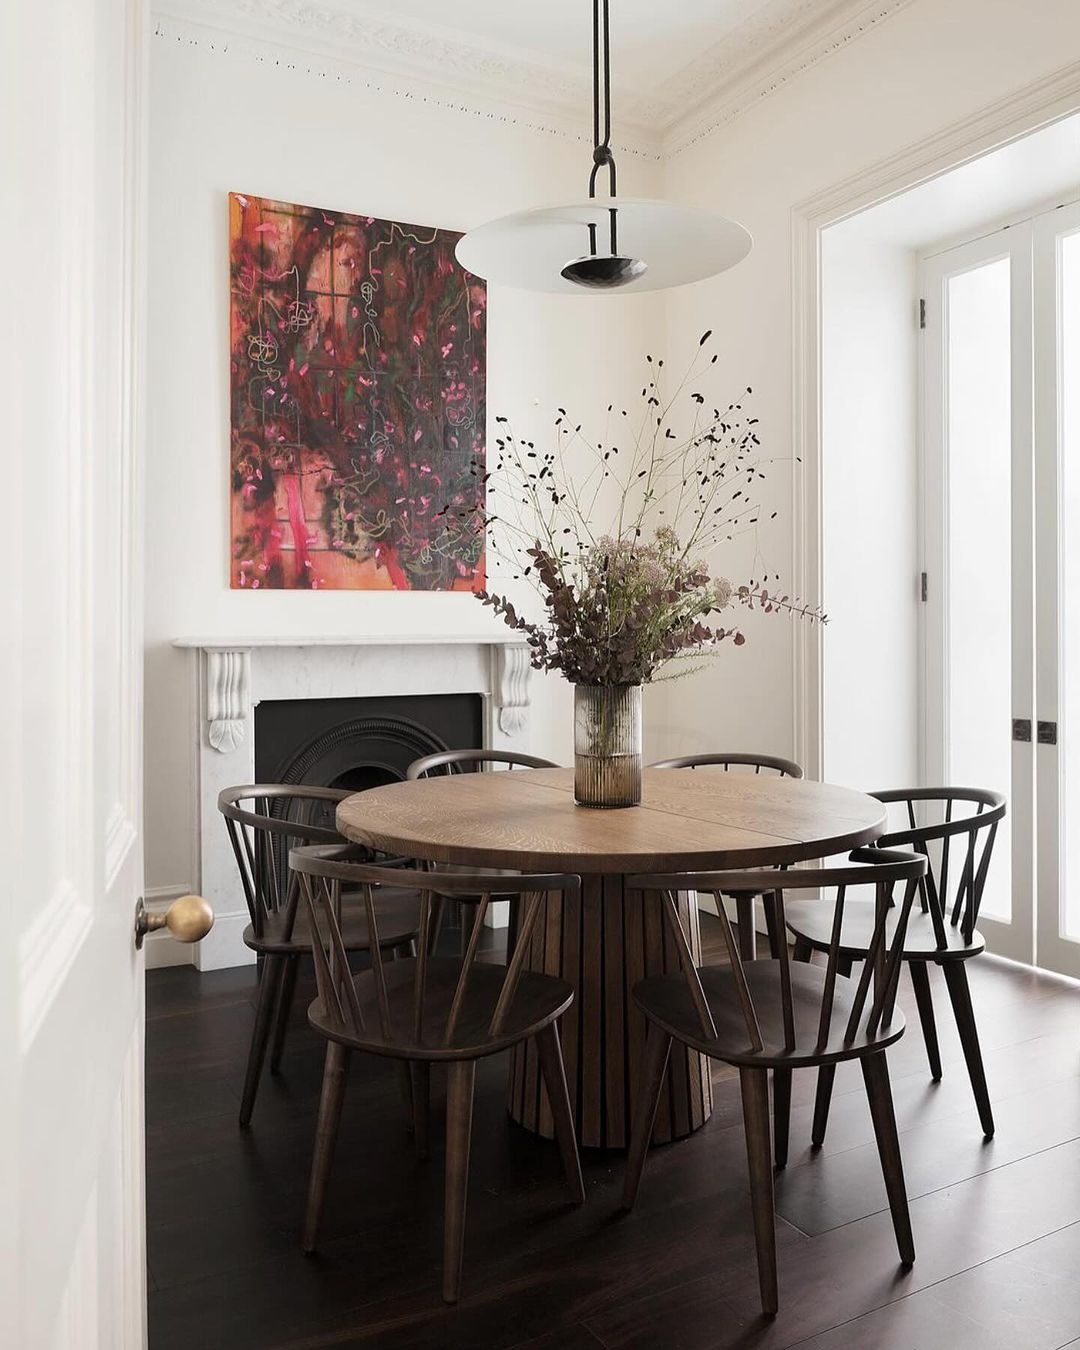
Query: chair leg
x,y
781,1115
657,1049
960,993
879,1093
405,1079
273,972
744,921
822,1099
802,950
924,999
335,1072
773,926
420,1071
755,1101
825,1079
461,1077
549,1050
284,1008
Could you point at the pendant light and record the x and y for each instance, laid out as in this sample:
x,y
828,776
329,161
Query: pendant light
x,y
631,243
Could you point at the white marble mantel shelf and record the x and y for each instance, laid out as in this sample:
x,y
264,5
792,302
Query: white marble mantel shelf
x,y
222,644
229,697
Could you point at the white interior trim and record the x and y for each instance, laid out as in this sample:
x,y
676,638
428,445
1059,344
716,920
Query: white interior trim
x,y
328,64
1037,105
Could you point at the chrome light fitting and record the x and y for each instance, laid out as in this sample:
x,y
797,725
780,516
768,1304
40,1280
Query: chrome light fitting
x,y
663,244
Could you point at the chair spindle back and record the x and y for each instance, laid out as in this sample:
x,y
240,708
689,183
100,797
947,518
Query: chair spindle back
x,y
883,869
933,820
322,873
786,768
447,762
264,821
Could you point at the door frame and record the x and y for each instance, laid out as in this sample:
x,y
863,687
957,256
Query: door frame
x,y
1037,105
1059,953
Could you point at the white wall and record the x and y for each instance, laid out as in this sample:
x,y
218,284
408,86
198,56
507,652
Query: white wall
x,y
223,122
869,354
927,67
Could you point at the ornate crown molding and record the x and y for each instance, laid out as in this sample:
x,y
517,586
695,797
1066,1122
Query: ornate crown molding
x,y
410,62
768,45
787,38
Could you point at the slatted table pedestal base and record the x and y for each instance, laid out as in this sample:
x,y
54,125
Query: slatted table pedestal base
x,y
603,944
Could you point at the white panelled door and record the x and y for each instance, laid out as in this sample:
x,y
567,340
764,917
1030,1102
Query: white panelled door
x,y
72,1260
1000,517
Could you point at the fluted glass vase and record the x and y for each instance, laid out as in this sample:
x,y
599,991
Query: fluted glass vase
x,y
607,744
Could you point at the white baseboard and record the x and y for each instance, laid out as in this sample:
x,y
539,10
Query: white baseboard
x,y
223,947
161,948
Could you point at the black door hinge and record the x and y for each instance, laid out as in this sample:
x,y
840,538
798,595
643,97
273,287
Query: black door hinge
x,y
923,587
1046,733
922,313
1021,729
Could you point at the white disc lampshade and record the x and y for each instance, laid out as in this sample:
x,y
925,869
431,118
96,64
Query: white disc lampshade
x,y
677,244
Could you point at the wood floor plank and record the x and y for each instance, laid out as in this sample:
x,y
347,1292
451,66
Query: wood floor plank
x,y
816,1198
1027,1298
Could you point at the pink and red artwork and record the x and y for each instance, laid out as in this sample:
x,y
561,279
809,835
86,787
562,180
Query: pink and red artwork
x,y
358,374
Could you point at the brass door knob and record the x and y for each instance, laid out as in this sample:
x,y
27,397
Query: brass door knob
x,y
188,919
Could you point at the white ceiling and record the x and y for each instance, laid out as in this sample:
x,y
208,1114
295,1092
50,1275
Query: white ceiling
x,y
670,58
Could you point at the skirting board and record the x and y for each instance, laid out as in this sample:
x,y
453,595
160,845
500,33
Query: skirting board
x,y
161,948
222,948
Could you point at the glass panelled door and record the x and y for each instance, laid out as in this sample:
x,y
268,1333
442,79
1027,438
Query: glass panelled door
x,y
1000,469
978,626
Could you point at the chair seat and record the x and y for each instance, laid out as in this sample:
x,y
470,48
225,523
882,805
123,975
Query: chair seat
x,y
812,921
397,912
665,1000
538,1001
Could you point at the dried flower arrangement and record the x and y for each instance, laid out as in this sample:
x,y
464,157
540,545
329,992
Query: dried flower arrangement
x,y
626,598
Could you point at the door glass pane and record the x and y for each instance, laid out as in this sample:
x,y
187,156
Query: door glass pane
x,y
979,648
1069,592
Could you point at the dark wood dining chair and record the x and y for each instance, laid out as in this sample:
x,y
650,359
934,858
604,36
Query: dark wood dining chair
x,y
472,761
264,821
741,763
954,829
430,1009
776,1015
447,762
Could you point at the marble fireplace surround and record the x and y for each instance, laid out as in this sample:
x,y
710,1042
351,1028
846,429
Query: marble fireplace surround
x,y
235,675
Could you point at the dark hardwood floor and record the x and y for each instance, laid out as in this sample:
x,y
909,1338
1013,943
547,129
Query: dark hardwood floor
x,y
997,1225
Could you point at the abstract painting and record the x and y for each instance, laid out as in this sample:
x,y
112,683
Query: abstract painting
x,y
358,403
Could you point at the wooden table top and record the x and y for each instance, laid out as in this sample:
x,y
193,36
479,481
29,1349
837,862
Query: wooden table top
x,y
689,819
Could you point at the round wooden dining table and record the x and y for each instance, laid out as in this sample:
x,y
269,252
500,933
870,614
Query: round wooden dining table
x,y
611,936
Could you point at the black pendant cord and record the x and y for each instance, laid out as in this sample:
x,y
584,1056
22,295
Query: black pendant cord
x,y
602,153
